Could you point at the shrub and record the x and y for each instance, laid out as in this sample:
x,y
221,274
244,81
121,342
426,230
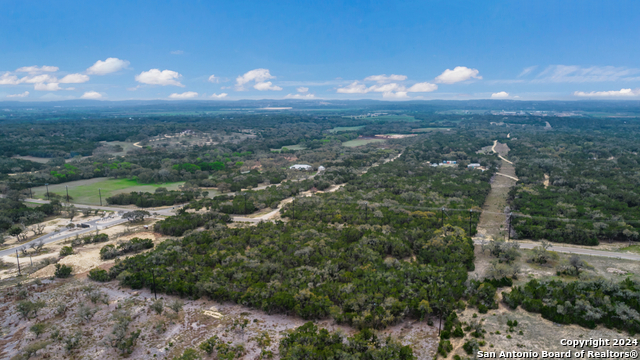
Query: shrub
x,y
188,354
176,305
108,252
131,246
470,346
28,308
157,306
99,275
209,345
63,271
458,333
37,329
66,250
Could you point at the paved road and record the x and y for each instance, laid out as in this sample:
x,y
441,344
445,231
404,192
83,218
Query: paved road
x,y
59,235
169,211
580,251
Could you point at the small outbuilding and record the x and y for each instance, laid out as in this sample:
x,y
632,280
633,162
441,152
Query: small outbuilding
x,y
301,167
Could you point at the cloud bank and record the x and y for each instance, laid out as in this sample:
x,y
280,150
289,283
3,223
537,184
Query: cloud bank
x,y
388,89
613,93
24,94
32,70
184,95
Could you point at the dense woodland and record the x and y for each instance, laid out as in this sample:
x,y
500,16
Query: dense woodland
x,y
587,303
594,177
364,276
393,243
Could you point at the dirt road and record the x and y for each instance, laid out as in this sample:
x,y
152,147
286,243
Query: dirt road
x,y
493,220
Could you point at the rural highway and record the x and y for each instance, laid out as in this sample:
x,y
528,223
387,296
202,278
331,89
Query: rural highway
x,y
169,211
59,235
578,251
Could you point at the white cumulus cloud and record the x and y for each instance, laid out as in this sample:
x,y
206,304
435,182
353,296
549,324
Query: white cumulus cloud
x,y
302,89
48,87
93,95
219,96
37,70
612,93
388,90
395,95
500,95
184,95
259,77
74,79
267,85
384,78
157,77
300,96
353,88
9,79
458,74
24,94
107,67
214,79
423,87
177,52
38,79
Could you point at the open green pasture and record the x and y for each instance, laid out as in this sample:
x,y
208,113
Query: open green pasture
x,y
360,142
290,147
86,191
430,129
345,128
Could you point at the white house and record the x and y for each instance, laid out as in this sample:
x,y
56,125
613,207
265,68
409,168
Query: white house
x,y
301,167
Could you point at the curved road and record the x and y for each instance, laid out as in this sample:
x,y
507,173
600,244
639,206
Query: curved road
x,y
59,235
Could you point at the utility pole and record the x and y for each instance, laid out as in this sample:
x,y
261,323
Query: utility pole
x,y
18,258
66,187
509,229
440,322
366,208
470,213
442,217
153,274
245,203
47,185
100,194
294,208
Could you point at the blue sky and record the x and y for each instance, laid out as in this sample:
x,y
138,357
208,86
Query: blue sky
x,y
386,50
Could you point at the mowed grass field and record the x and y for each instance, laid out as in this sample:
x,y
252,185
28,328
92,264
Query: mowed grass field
x,y
291,147
430,129
360,142
407,118
86,191
345,128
